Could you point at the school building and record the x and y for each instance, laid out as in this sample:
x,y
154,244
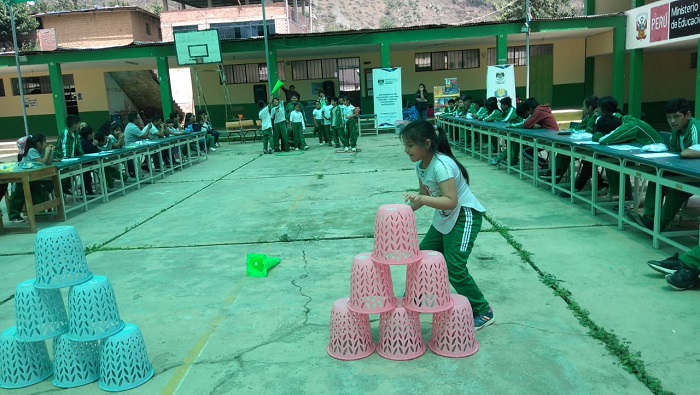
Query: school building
x,y
570,58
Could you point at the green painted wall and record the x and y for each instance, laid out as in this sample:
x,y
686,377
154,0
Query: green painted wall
x,y
568,95
13,127
217,113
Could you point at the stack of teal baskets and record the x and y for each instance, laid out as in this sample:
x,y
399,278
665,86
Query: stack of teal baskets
x,y
90,342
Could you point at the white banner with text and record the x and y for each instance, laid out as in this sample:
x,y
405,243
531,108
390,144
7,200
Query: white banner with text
x,y
387,95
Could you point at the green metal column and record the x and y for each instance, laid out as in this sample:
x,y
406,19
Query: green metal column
x,y
272,73
385,55
697,87
59,97
589,79
502,49
618,63
166,94
589,7
635,88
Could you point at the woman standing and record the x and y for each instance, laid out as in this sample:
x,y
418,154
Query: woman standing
x,y
422,102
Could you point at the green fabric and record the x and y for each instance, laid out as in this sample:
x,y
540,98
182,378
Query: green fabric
x,y
632,130
683,140
672,203
327,133
67,142
481,113
587,124
279,131
298,132
495,116
457,254
339,136
510,116
471,109
266,137
461,112
352,133
288,110
691,259
38,189
613,178
518,124
336,117
111,173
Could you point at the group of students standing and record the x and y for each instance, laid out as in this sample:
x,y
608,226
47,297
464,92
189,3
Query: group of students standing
x,y
283,125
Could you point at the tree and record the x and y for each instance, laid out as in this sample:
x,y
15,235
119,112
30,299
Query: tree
x,y
539,9
24,24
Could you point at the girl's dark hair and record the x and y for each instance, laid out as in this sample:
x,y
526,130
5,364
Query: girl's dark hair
x,y
507,101
419,131
100,136
591,101
32,141
479,102
491,104
424,88
608,104
187,119
114,127
607,123
86,131
521,110
532,102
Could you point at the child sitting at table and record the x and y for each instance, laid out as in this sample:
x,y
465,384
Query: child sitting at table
x,y
479,110
35,151
89,146
493,113
111,171
684,140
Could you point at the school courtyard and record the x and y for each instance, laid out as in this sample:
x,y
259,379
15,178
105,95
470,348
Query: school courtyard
x,y
577,309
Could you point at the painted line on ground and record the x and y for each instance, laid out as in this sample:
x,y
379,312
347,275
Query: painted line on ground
x,y
180,374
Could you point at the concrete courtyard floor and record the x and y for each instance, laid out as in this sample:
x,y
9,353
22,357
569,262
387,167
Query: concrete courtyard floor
x,y
573,297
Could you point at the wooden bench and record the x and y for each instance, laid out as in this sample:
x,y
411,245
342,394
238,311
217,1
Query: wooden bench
x,y
242,128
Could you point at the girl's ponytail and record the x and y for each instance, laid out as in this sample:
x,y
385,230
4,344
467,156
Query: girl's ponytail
x,y
442,145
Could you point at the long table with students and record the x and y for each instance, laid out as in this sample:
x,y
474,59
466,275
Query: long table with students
x,y
186,146
476,138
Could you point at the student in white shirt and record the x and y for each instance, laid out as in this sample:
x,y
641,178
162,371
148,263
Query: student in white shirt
x,y
296,119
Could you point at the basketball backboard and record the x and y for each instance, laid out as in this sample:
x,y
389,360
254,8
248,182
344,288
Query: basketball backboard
x,y
198,47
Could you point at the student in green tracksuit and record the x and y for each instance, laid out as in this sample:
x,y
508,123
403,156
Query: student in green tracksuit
x,y
461,110
681,271
588,112
288,109
279,126
479,109
337,124
450,109
609,105
684,140
511,117
350,114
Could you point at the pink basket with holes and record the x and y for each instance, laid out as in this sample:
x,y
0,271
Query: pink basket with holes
x,y
351,336
395,235
400,335
371,288
428,285
453,330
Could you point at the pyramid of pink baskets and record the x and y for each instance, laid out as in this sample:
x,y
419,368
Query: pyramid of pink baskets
x,y
427,291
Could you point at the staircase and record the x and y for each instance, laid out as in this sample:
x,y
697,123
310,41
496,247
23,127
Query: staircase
x,y
143,88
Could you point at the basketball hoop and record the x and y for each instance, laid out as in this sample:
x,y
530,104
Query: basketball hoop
x,y
198,59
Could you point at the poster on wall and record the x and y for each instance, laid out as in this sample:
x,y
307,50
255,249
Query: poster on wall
x,y
500,82
387,95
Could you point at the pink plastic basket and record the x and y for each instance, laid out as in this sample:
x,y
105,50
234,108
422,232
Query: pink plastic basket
x,y
453,331
351,336
371,289
400,336
395,235
428,285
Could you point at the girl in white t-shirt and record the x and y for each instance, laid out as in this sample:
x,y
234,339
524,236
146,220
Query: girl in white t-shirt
x,y
37,153
444,186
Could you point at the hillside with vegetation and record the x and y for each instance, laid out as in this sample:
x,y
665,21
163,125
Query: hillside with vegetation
x,y
330,15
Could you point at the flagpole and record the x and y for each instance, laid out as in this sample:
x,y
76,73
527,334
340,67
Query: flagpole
x,y
267,49
19,71
527,49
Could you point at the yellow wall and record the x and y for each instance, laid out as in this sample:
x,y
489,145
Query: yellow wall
x,y
602,82
600,44
668,75
569,65
91,85
10,104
